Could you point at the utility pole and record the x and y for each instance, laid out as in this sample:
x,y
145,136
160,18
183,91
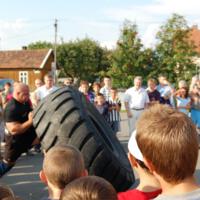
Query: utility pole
x,y
55,51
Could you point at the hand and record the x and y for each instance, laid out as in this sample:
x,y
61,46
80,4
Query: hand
x,y
129,114
30,117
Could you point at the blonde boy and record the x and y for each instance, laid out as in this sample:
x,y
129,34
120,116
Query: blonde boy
x,y
89,188
168,141
61,165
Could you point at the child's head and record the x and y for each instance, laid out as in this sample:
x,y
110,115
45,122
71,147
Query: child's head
x,y
84,86
7,194
183,92
100,100
96,87
107,81
89,188
113,92
168,141
152,84
62,164
135,156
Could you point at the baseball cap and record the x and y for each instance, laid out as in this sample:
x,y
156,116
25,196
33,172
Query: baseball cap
x,y
133,147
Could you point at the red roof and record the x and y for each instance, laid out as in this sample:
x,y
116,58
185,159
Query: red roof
x,y
25,59
195,37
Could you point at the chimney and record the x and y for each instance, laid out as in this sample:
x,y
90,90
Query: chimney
x,y
24,47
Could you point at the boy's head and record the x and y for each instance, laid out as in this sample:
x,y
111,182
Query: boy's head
x,y
135,156
84,85
89,188
107,81
113,92
152,84
100,99
168,141
62,164
7,194
96,87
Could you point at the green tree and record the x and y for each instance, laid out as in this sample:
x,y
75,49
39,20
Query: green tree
x,y
83,59
128,58
40,45
174,50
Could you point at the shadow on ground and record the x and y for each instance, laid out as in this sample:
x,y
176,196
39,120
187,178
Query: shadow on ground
x,y
24,178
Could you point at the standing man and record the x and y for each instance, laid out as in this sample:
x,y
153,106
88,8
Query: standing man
x,y
46,89
105,90
68,81
20,134
38,83
136,100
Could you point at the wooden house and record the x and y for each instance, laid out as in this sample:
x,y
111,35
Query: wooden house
x,y
26,65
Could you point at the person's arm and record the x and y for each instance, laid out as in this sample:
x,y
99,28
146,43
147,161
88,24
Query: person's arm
x,y
127,109
16,128
147,101
118,106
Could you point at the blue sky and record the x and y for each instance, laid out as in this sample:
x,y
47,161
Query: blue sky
x,y
23,21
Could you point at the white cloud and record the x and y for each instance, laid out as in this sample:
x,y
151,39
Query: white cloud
x,y
8,30
150,16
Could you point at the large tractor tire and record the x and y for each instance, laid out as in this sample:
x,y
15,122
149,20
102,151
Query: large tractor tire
x,y
65,117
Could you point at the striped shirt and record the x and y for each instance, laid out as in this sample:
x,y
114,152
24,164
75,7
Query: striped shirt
x,y
114,115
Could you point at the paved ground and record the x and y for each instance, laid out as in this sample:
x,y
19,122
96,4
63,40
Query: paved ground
x,y
24,179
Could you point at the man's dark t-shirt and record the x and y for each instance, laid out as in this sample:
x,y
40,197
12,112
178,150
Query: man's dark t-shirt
x,y
154,96
19,143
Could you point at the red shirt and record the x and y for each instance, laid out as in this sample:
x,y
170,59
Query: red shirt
x,y
138,195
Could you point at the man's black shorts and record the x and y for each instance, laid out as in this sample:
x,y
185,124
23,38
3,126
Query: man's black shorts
x,y
18,144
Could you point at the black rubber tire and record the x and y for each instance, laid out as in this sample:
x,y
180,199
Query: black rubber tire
x,y
65,117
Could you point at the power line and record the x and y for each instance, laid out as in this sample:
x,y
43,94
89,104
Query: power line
x,y
34,32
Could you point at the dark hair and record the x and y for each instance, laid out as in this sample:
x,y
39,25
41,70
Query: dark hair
x,y
84,82
96,84
89,188
141,163
100,95
113,88
107,77
8,84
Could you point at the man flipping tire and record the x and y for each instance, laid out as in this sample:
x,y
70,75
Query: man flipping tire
x,y
18,120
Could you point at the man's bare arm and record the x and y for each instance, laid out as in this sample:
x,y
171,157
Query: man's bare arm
x,y
16,128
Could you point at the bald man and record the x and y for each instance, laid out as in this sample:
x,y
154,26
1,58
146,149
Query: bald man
x,y
20,131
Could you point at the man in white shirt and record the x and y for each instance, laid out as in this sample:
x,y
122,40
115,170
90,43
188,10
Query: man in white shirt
x,y
46,89
136,100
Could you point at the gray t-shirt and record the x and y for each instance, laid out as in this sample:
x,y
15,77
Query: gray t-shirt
x,y
194,195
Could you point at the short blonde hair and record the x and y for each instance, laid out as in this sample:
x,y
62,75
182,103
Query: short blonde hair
x,y
6,193
152,80
89,188
62,164
168,139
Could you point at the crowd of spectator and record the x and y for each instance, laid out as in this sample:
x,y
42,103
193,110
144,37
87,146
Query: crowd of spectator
x,y
163,144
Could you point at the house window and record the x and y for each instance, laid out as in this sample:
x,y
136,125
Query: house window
x,y
23,77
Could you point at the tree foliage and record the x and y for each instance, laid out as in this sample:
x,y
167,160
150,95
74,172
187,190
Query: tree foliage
x,y
174,50
83,59
129,58
40,45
